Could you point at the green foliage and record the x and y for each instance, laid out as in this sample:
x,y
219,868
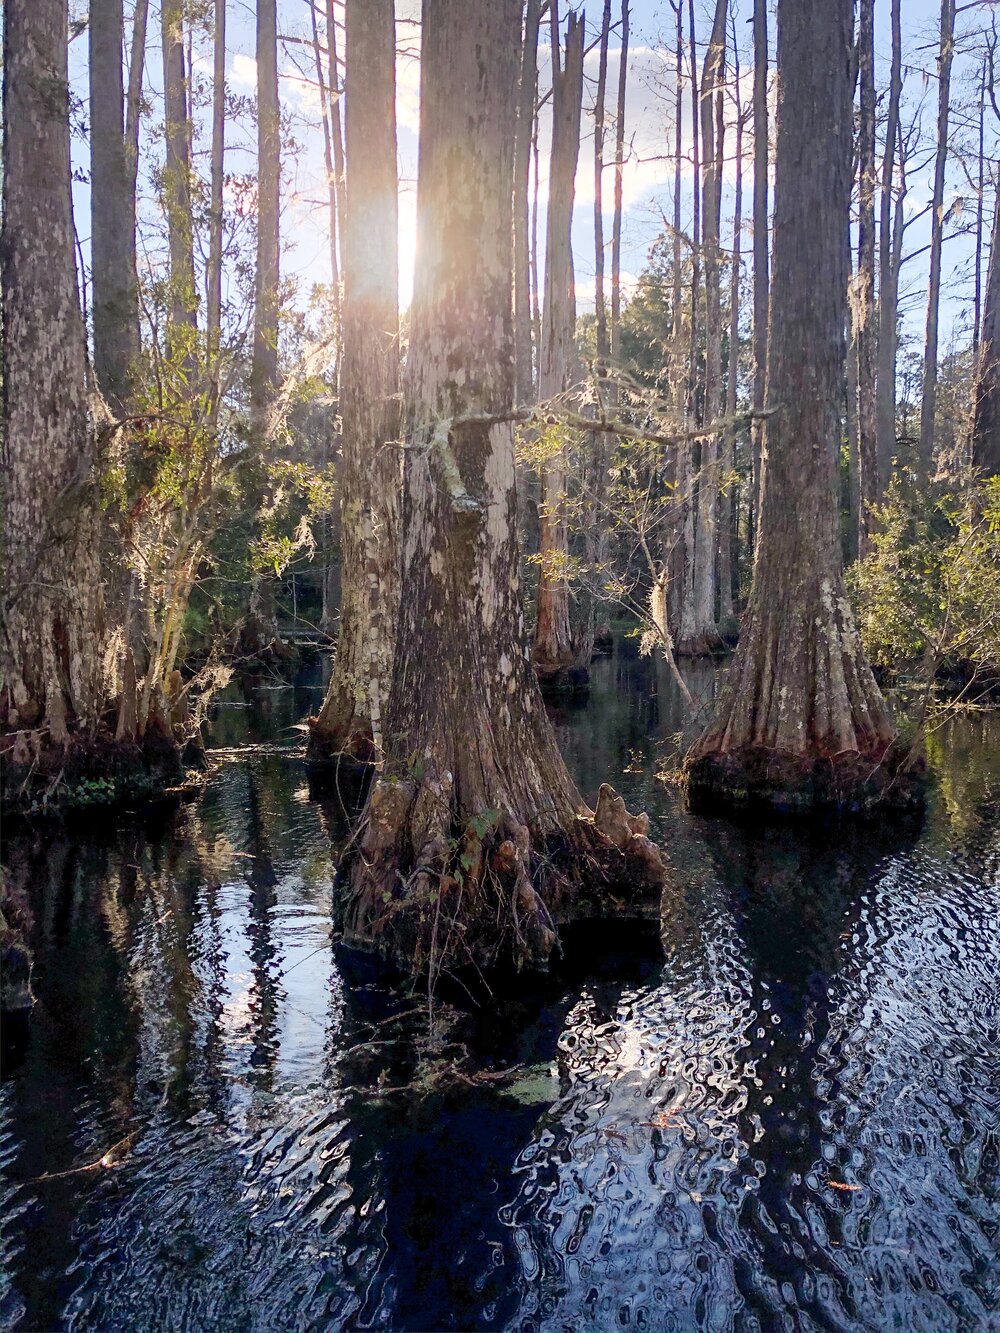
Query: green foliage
x,y
929,591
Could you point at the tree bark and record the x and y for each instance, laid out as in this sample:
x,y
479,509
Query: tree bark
x,y
177,178
761,278
336,120
600,305
616,225
264,367
349,725
527,93
328,99
213,318
133,101
888,273
115,298
802,723
677,462
553,651
864,323
980,202
701,635
928,403
687,471
595,460
53,622
986,423
728,506
475,836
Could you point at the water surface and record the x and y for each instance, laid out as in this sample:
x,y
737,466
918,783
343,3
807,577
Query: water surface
x,y
776,1108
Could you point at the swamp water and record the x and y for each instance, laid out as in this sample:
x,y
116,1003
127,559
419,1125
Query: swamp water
x,y
778,1107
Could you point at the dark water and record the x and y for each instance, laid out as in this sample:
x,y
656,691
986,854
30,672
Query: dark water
x,y
779,1109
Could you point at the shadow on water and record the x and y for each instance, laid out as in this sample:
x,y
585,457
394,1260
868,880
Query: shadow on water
x,y
773,1108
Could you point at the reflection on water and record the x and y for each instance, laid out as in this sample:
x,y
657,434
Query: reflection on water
x,y
781,1113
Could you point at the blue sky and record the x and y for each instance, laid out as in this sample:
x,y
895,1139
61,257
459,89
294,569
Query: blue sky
x,y
648,173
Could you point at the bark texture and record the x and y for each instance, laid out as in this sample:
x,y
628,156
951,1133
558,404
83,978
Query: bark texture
x,y
264,368
53,612
888,271
802,722
475,833
700,634
115,303
986,424
761,241
728,535
349,724
57,695
177,169
528,90
928,402
214,294
553,652
864,322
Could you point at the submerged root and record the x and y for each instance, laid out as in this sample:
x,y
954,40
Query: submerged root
x,y
752,776
435,891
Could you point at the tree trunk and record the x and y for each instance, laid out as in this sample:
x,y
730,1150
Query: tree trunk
x,y
328,99
213,319
677,466
600,305
177,179
761,279
701,635
616,226
55,686
687,484
986,424
928,403
53,622
115,299
264,368
553,651
980,202
350,722
864,288
133,107
727,536
336,123
593,532
528,88
475,838
802,723
888,274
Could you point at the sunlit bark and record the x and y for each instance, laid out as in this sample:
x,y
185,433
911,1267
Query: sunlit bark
x,y
475,837
349,724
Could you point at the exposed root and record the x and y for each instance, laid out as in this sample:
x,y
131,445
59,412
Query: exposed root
x,y
39,774
351,750
436,891
709,644
562,679
890,778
